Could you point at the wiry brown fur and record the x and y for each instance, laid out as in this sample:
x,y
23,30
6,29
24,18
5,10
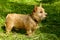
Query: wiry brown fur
x,y
28,22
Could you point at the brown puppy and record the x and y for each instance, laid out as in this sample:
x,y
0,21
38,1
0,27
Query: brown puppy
x,y
27,22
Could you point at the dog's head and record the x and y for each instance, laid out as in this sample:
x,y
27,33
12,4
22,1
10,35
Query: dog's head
x,y
39,13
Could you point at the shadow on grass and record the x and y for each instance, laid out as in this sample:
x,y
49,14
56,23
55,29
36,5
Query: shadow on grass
x,y
22,31
3,28
51,28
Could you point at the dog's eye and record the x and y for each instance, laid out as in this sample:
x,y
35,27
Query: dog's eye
x,y
41,12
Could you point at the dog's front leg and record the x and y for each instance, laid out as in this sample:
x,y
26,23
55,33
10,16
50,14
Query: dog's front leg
x,y
34,29
29,32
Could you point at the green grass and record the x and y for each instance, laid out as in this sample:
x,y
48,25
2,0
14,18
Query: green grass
x,y
49,28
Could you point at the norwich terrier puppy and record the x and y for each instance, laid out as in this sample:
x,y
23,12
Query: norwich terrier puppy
x,y
28,22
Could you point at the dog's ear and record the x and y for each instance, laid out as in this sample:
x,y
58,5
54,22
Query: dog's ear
x,y
35,8
40,4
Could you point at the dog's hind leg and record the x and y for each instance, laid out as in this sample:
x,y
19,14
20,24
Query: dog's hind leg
x,y
9,27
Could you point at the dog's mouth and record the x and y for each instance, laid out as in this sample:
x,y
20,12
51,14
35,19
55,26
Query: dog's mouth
x,y
43,18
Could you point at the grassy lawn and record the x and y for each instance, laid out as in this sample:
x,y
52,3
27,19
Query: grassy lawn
x,y
49,28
